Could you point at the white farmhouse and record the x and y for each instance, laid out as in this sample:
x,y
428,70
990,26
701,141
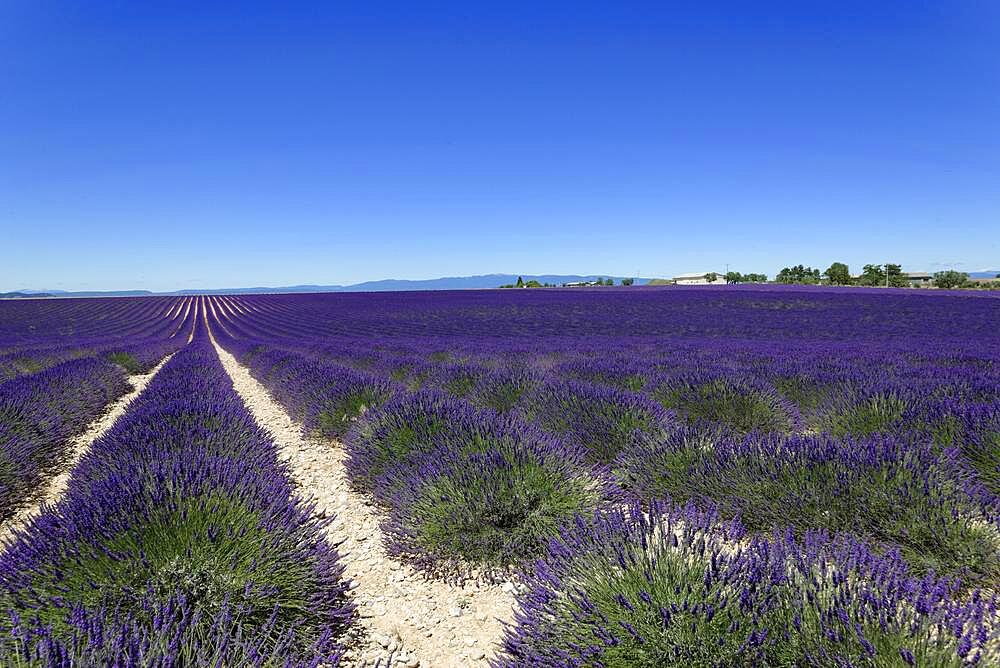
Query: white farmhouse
x,y
700,278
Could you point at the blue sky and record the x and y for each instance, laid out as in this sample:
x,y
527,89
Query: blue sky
x,y
176,145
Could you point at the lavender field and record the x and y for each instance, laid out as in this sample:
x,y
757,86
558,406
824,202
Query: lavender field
x,y
732,476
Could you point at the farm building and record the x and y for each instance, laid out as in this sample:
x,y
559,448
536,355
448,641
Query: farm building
x,y
918,278
701,278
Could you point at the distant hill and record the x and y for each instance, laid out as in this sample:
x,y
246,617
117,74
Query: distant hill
x,y
24,295
984,274
385,285
87,293
399,285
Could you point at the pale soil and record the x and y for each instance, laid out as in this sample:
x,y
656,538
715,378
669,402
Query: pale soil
x,y
77,447
186,307
217,315
405,619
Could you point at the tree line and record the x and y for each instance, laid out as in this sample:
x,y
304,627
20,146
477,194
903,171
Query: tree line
x,y
838,273
521,283
872,275
735,277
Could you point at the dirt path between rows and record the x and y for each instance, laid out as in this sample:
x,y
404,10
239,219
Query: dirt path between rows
x,y
405,619
78,446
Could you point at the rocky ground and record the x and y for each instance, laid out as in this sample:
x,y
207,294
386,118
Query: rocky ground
x,y
405,618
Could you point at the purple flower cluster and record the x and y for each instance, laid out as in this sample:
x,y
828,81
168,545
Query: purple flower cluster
x,y
179,542
406,428
39,413
25,323
602,419
609,318
55,381
676,587
135,333
738,402
899,494
973,429
326,397
470,489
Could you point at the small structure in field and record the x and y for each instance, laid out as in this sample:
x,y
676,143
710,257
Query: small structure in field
x,y
700,278
918,278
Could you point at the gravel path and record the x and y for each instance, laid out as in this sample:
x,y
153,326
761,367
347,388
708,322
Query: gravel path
x,y
79,445
405,618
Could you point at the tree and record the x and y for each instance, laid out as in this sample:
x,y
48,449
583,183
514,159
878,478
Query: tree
x,y
520,282
733,277
711,277
609,281
532,284
755,278
628,281
896,277
838,274
872,275
798,274
951,279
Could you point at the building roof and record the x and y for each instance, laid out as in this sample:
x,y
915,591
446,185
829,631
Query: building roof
x,y
917,274
702,274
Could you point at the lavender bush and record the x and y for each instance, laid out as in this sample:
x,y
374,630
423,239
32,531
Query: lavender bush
x,y
674,587
488,497
601,419
402,429
738,403
38,416
974,430
328,398
179,540
900,494
501,389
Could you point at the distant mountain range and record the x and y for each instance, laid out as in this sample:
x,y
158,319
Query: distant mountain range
x,y
63,293
386,285
23,294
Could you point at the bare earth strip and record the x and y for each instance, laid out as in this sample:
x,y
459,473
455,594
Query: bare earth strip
x,y
78,446
405,619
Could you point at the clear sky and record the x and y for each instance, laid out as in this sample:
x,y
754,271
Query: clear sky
x,y
188,145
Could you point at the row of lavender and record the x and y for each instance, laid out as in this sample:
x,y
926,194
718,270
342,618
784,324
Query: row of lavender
x,y
466,488
69,382
125,331
179,542
821,454
911,381
39,416
470,481
25,322
926,441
